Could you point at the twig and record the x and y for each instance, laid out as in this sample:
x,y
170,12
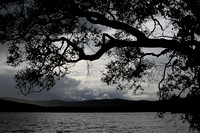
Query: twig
x,y
164,73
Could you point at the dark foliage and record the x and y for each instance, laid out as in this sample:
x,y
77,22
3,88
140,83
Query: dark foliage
x,y
52,36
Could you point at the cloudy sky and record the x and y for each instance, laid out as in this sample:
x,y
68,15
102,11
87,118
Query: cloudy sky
x,y
79,85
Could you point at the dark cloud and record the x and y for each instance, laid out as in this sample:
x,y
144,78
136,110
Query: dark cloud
x,y
7,87
3,55
69,89
91,93
7,83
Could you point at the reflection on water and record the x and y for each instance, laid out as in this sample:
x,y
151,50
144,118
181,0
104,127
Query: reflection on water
x,y
91,122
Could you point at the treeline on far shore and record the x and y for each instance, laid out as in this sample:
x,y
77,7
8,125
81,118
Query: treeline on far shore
x,y
115,105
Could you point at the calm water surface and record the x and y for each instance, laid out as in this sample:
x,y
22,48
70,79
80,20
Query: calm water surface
x,y
91,123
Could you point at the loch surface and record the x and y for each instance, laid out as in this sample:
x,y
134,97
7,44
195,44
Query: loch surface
x,y
91,122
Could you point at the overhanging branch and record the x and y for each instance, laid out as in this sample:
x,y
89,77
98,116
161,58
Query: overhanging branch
x,y
142,39
149,43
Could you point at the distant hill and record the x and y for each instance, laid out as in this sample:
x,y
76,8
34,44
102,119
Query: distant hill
x,y
45,103
90,103
11,106
105,105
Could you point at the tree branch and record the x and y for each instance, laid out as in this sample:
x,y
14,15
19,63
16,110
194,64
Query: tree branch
x,y
149,43
157,55
97,18
142,40
163,77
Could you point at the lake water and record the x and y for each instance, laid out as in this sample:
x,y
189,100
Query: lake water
x,y
91,123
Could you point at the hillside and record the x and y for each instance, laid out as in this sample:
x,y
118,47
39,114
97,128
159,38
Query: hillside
x,y
11,106
112,105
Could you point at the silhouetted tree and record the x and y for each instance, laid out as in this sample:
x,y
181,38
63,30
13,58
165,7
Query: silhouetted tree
x,y
51,36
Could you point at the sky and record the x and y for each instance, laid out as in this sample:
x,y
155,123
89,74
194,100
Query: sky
x,y
79,85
